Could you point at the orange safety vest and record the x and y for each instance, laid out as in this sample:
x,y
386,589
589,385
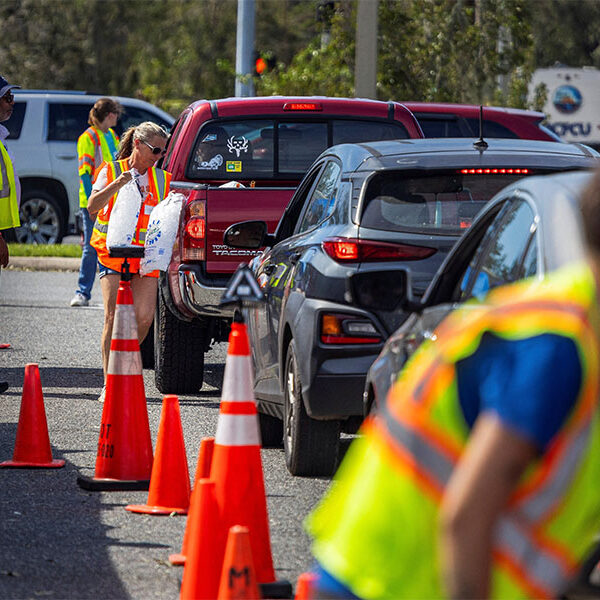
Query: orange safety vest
x,y
159,181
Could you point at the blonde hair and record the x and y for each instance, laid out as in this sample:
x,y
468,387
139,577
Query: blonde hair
x,y
101,109
144,131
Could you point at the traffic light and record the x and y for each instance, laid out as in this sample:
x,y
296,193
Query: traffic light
x,y
263,62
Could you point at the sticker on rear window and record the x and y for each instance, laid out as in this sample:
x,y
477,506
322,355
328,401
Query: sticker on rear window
x,y
233,166
210,137
211,165
237,145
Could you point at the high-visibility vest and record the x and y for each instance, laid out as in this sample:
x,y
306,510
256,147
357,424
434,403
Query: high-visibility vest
x,y
377,530
9,206
93,150
159,181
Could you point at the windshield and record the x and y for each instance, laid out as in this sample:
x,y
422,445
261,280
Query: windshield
x,y
431,204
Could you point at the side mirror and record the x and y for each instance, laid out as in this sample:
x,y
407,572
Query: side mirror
x,y
382,290
248,234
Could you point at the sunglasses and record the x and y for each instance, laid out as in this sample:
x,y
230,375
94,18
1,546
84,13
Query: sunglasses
x,y
8,97
155,149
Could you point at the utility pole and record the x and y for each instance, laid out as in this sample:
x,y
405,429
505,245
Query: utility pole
x,y
365,73
244,53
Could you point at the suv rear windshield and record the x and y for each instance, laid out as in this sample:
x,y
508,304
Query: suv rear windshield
x,y
270,148
445,203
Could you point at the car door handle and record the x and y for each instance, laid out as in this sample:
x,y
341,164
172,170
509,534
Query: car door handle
x,y
268,269
66,156
295,257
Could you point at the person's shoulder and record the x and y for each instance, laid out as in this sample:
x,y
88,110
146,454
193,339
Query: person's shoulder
x,y
4,133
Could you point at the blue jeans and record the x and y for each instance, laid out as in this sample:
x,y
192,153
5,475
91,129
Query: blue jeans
x,y
89,258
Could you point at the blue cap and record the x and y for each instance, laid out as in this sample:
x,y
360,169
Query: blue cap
x,y
5,86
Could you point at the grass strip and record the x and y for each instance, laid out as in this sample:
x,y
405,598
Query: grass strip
x,y
68,250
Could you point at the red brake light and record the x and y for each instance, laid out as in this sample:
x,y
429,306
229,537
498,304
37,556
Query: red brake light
x,y
346,250
302,106
494,171
194,231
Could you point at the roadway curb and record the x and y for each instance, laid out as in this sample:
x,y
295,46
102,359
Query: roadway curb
x,y
44,263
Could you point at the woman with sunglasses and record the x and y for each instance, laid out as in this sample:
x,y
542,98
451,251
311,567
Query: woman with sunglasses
x,y
141,146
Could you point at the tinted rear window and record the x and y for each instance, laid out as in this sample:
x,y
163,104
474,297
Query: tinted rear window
x,y
15,123
67,121
437,128
271,148
436,204
491,129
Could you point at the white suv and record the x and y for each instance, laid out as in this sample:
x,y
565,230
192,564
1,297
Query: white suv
x,y
44,128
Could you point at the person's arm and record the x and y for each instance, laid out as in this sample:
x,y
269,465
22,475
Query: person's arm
x,y
99,198
488,472
3,251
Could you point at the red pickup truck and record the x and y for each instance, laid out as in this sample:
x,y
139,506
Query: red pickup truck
x,y
236,159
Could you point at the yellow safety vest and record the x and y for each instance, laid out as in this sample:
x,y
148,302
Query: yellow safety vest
x,y
93,150
377,529
9,207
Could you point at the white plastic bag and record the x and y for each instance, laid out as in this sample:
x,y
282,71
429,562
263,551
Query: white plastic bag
x,y
161,233
124,215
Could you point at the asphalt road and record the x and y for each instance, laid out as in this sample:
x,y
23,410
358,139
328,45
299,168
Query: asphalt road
x,y
59,541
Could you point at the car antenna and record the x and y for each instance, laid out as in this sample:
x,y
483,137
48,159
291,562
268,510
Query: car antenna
x,y
480,144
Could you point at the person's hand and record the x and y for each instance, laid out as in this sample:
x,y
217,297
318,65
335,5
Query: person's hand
x,y
3,252
123,178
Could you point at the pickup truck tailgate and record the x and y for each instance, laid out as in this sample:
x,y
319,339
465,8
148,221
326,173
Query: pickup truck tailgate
x,y
225,206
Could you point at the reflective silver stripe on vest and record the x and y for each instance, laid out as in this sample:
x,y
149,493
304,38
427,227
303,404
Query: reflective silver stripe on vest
x,y
100,227
160,183
539,565
142,237
118,169
5,184
546,571
544,499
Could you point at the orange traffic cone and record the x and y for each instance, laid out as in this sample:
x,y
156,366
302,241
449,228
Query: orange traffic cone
x,y
207,546
238,579
32,444
124,458
236,465
170,481
305,587
202,472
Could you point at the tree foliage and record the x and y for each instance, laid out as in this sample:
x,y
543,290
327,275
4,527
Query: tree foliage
x,y
171,52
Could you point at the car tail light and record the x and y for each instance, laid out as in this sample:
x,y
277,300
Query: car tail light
x,y
347,329
348,250
494,171
194,232
302,106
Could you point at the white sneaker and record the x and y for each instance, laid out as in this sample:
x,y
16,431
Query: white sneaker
x,y
79,300
102,394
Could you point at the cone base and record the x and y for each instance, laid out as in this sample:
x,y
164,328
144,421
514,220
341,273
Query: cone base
x,y
276,589
94,484
177,560
16,464
155,510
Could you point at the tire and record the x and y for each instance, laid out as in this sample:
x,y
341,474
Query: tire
x,y
42,220
311,446
147,350
178,352
271,431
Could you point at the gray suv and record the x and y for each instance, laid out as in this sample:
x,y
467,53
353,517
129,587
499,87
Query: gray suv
x,y
44,128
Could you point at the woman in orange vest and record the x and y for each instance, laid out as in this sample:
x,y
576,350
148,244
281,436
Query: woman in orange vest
x,y
140,148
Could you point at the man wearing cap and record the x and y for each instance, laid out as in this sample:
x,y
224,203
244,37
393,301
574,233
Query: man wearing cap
x,y
10,188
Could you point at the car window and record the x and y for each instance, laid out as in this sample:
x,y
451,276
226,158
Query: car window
x,y
134,115
351,132
530,262
299,145
437,203
68,120
491,129
15,123
177,129
322,200
502,261
437,128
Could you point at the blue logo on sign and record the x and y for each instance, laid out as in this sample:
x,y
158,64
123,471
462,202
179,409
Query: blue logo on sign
x,y
567,99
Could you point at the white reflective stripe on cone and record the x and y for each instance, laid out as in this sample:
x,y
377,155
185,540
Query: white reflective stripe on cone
x,y
125,326
237,430
237,379
123,362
